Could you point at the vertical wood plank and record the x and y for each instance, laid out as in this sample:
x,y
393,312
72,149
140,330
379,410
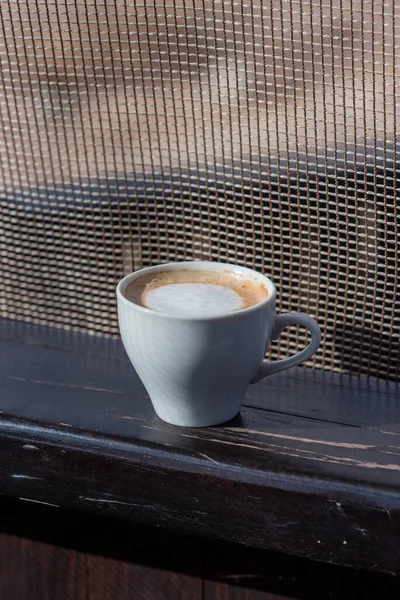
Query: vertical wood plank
x,y
235,572
32,570
109,579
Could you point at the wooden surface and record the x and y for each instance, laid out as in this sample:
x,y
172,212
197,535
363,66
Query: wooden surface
x,y
311,467
37,571
47,553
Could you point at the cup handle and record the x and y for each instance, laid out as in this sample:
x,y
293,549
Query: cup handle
x,y
281,322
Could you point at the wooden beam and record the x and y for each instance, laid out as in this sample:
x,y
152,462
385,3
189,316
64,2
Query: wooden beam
x,y
77,430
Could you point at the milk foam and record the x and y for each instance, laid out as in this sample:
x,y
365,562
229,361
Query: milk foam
x,y
195,292
193,299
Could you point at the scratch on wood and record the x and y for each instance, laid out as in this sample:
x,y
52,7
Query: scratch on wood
x,y
30,447
200,523
389,514
375,465
109,501
65,424
208,458
18,476
219,441
308,440
68,385
387,452
127,417
148,427
177,515
304,454
327,458
288,524
38,502
340,508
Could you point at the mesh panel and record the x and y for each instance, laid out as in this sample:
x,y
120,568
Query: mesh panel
x,y
261,133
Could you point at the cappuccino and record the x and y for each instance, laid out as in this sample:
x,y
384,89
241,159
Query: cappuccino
x,y
190,292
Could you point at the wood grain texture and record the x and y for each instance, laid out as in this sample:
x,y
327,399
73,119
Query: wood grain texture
x,y
109,579
123,559
30,570
78,430
229,572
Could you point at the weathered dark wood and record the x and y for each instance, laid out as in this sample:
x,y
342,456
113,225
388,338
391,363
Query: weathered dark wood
x,y
31,570
126,558
290,577
50,554
78,431
109,579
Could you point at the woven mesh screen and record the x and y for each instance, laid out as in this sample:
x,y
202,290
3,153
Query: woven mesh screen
x,y
261,133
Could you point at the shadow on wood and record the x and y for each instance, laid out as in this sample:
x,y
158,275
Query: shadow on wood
x,y
58,551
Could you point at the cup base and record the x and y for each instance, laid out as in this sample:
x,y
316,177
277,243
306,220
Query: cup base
x,y
199,421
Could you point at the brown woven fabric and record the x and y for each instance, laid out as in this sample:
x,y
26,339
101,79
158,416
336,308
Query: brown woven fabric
x,y
262,133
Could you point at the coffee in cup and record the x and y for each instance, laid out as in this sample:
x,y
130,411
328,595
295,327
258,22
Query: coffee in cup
x,y
195,292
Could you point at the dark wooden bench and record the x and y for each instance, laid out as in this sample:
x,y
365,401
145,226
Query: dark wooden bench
x,y
300,494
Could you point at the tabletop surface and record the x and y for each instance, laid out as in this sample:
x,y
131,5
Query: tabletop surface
x,y
310,467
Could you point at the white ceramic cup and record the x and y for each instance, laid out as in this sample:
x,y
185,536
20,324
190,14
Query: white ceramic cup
x,y
196,370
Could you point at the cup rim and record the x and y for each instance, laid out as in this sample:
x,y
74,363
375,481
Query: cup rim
x,y
195,265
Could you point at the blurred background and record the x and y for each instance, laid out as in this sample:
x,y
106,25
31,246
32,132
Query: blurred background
x,y
262,133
